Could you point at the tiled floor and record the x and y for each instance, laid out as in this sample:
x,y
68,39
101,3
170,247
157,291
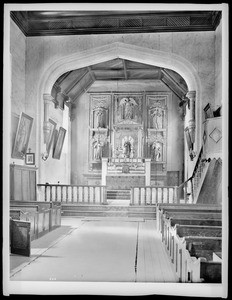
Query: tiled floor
x,y
97,249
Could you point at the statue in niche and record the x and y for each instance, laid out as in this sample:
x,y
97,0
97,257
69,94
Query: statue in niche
x,y
127,106
100,118
157,118
97,150
157,151
127,149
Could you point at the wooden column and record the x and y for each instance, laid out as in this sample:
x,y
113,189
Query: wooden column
x,y
104,170
191,95
147,171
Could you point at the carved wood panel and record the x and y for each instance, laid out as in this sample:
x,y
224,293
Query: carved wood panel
x,y
157,131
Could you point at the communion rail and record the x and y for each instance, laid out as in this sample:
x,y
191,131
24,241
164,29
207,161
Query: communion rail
x,y
154,194
66,193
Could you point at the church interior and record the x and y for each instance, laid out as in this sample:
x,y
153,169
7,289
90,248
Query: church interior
x,y
116,146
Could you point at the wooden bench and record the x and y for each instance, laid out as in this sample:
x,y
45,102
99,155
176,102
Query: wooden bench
x,y
191,243
42,216
182,221
196,230
188,264
207,243
211,272
31,212
188,211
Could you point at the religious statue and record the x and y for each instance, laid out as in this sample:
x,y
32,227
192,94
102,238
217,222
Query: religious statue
x,y
156,147
157,118
127,149
127,105
100,118
97,147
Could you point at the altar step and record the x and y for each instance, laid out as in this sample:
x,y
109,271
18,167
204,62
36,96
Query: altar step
x,y
118,194
78,210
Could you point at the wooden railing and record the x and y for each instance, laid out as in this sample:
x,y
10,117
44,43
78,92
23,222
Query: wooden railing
x,y
154,194
66,193
196,179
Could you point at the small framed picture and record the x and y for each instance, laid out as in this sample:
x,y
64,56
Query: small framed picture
x,y
30,158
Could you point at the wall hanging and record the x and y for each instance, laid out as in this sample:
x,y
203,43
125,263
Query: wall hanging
x,y
22,136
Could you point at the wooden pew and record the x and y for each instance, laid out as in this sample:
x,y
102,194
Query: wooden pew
x,y
196,230
203,222
211,272
18,214
188,266
43,216
176,238
194,243
188,211
32,216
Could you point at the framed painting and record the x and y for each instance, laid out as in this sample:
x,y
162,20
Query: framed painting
x,y
59,143
30,158
22,136
51,135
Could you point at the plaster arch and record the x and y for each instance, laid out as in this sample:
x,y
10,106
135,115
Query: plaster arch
x,y
128,52
124,51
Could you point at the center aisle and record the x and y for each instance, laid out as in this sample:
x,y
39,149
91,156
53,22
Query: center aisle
x,y
106,250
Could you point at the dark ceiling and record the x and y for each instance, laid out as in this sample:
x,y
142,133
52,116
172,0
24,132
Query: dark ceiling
x,y
48,23
73,84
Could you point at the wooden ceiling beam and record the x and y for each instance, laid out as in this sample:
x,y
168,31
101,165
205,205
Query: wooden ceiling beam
x,y
173,81
75,82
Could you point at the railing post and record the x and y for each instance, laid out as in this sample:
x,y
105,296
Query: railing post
x,y
192,191
147,171
104,200
176,196
45,192
132,196
104,170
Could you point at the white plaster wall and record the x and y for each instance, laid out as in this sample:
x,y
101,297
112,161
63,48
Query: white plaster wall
x,y
18,105
79,140
175,136
196,47
18,61
54,170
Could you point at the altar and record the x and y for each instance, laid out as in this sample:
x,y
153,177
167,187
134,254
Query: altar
x,y
128,126
124,181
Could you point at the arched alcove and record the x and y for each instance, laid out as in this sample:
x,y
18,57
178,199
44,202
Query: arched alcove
x,y
127,52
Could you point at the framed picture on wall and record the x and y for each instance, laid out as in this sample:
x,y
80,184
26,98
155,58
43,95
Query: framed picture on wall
x,y
51,135
59,143
30,158
22,136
